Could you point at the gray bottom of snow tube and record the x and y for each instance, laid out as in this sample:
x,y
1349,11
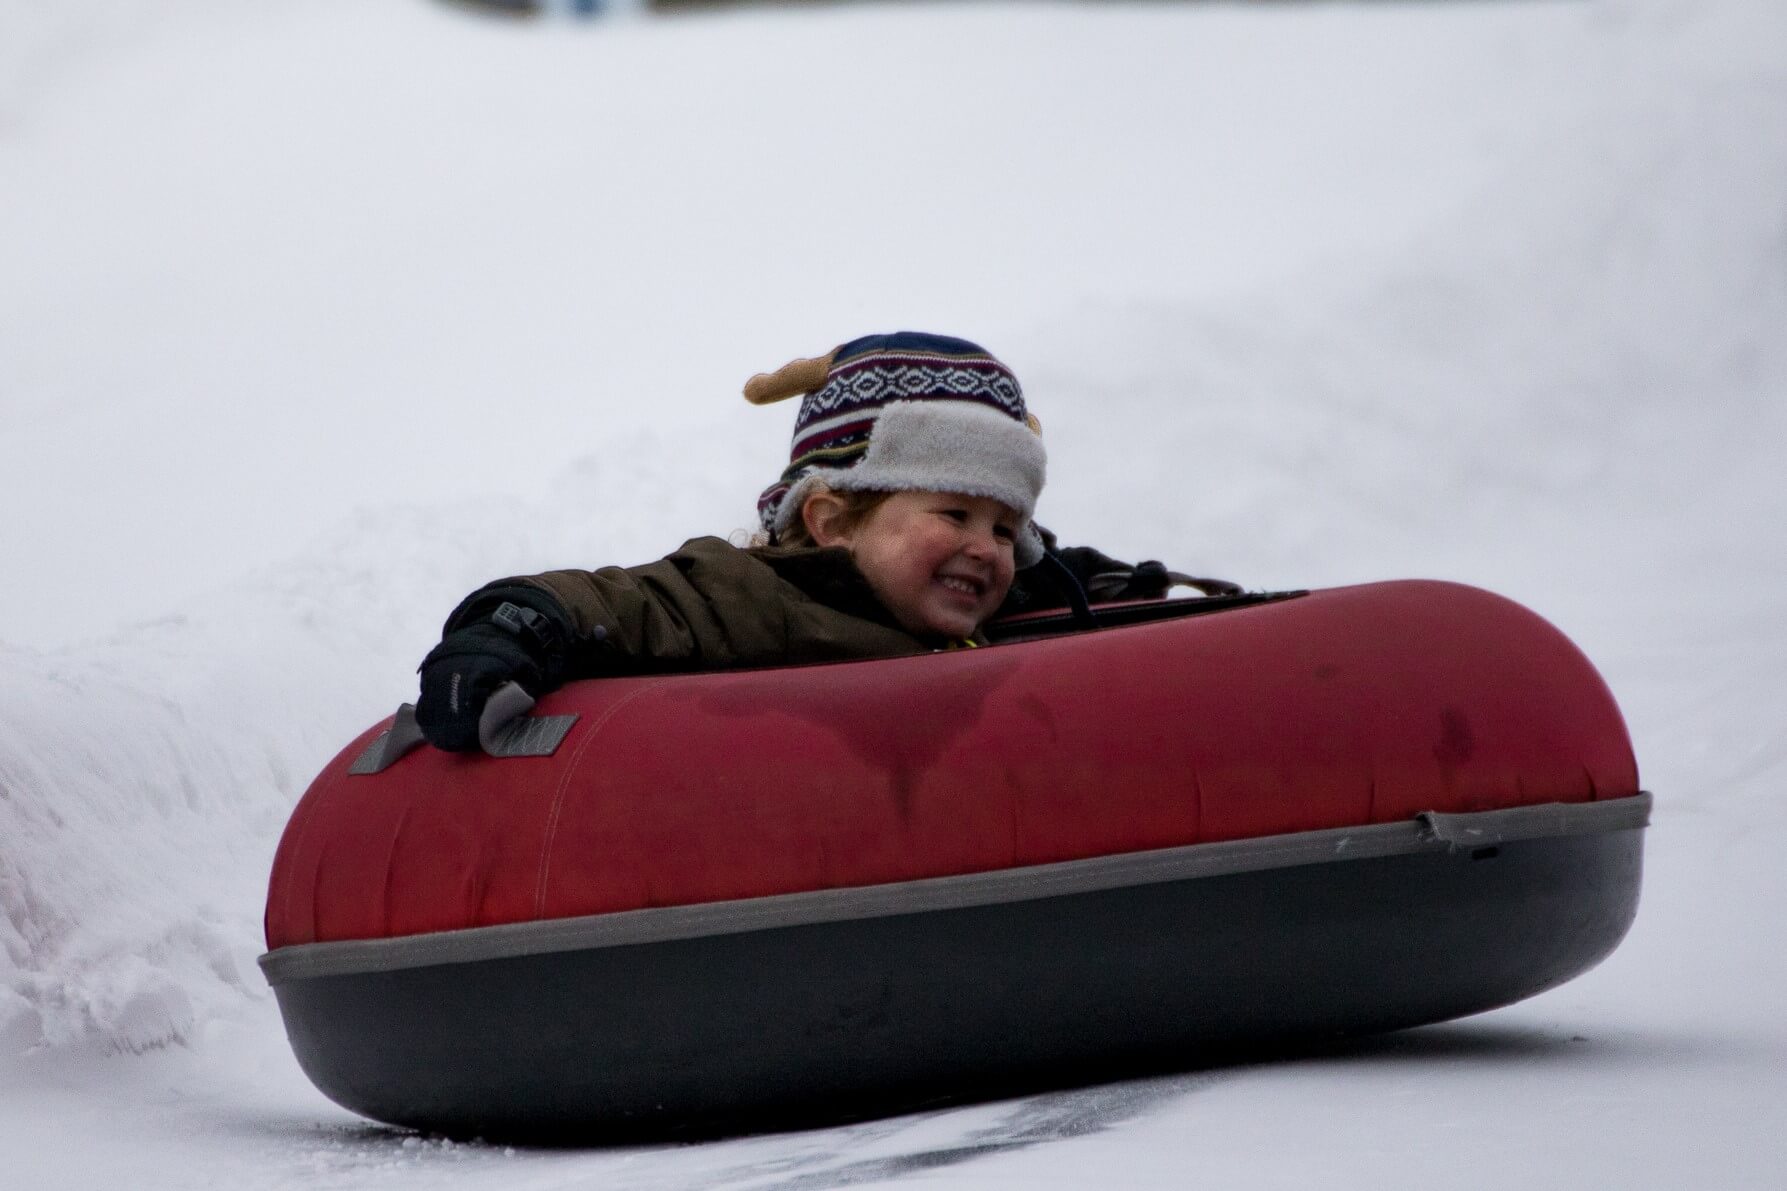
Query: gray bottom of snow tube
x,y
799,1010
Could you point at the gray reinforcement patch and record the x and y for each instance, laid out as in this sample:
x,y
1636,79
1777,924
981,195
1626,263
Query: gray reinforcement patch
x,y
529,736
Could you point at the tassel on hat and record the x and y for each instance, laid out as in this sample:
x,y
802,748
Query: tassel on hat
x,y
793,379
906,412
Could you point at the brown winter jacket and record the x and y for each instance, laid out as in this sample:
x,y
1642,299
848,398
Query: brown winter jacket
x,y
713,606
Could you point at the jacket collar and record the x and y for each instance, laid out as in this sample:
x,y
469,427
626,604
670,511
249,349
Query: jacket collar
x,y
828,575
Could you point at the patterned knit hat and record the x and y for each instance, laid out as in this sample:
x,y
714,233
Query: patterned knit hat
x,y
906,412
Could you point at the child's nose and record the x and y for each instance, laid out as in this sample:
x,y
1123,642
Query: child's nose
x,y
981,543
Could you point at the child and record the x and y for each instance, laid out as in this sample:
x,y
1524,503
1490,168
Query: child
x,y
897,528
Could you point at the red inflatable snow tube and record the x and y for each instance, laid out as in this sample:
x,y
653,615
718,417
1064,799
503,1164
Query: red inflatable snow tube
x,y
1222,732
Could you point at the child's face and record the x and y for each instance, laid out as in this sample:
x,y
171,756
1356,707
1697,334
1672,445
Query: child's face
x,y
939,561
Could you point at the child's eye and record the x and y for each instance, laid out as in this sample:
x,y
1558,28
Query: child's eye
x,y
1005,532
959,516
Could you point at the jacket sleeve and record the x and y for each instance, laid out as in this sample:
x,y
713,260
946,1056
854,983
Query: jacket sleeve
x,y
707,606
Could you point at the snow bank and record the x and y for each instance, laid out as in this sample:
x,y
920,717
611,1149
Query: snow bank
x,y
145,777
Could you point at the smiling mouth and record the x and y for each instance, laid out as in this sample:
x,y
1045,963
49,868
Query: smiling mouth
x,y
968,587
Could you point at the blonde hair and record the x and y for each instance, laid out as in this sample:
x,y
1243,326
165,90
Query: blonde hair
x,y
857,507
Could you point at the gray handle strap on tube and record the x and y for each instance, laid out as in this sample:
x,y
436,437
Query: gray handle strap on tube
x,y
507,730
506,704
504,730
403,735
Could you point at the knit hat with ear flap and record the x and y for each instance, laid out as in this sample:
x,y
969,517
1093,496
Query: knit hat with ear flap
x,y
907,412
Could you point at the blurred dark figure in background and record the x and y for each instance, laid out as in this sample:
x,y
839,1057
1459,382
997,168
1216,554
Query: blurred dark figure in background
x,y
512,8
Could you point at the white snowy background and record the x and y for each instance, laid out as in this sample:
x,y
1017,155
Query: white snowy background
x,y
316,313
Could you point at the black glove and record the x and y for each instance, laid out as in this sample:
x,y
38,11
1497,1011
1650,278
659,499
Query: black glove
x,y
511,644
1108,580
1099,577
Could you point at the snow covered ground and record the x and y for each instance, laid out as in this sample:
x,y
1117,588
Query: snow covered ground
x,y
315,314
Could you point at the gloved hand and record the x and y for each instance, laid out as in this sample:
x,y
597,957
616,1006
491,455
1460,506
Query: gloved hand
x,y
1101,579
512,644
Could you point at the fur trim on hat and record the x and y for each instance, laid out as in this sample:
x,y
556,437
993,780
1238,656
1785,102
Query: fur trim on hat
x,y
943,446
